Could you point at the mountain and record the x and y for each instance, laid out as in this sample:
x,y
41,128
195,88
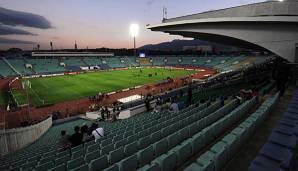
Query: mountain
x,y
177,45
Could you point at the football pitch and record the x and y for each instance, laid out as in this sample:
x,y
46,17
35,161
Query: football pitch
x,y
50,90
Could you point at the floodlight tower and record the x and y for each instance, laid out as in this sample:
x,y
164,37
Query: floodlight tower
x,y
134,31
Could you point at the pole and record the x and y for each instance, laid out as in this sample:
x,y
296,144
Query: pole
x,y
134,46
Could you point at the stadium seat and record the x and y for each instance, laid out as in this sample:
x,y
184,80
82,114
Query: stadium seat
x,y
160,147
198,142
106,142
144,142
107,149
61,160
167,162
173,140
92,155
183,152
155,136
120,143
129,163
131,148
220,154
150,167
145,156
60,167
206,161
75,163
44,166
81,168
116,155
99,163
78,154
92,148
112,168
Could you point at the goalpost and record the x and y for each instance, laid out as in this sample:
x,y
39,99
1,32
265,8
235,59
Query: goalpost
x,y
26,85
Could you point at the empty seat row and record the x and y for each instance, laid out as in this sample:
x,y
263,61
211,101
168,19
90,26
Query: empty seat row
x,y
219,154
278,153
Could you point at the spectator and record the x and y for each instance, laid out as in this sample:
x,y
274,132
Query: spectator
x,y
76,138
92,128
84,131
98,132
102,113
174,107
64,140
107,112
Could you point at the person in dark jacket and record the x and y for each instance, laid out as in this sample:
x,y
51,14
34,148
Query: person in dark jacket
x,y
76,138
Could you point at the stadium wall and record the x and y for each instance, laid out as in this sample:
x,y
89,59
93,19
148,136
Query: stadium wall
x,y
17,138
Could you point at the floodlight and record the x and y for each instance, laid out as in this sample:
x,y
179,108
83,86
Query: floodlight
x,y
134,30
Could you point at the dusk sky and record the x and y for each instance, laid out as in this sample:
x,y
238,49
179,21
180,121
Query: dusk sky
x,y
92,23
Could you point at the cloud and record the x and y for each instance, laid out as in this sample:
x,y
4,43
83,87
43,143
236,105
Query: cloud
x,y
13,41
15,18
150,2
6,30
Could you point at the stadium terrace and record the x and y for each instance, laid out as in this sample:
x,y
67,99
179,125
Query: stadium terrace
x,y
227,100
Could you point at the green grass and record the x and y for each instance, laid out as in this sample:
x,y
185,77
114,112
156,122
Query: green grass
x,y
20,97
70,87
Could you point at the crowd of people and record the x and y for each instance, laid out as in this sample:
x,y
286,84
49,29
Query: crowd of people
x,y
99,97
81,134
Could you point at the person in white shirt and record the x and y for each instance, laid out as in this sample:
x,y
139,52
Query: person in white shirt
x,y
98,133
174,107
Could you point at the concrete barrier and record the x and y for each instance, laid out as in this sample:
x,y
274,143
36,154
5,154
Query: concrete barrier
x,y
17,138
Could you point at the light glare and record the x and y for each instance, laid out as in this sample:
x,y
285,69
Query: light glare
x,y
134,30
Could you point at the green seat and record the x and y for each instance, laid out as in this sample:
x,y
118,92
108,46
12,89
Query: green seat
x,y
150,167
99,163
165,131
155,136
232,144
193,129
105,142
206,161
91,156
132,138
160,147
173,140
144,142
107,149
117,138
167,162
220,154
129,163
197,142
114,167
60,167
194,167
79,147
116,155
29,165
92,148
78,153
75,163
145,156
183,152
46,159
81,168
120,143
44,166
131,148
61,160
183,134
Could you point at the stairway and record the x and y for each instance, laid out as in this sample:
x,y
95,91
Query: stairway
x,y
13,68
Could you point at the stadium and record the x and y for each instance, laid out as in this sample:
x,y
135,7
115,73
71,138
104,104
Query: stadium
x,y
154,110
